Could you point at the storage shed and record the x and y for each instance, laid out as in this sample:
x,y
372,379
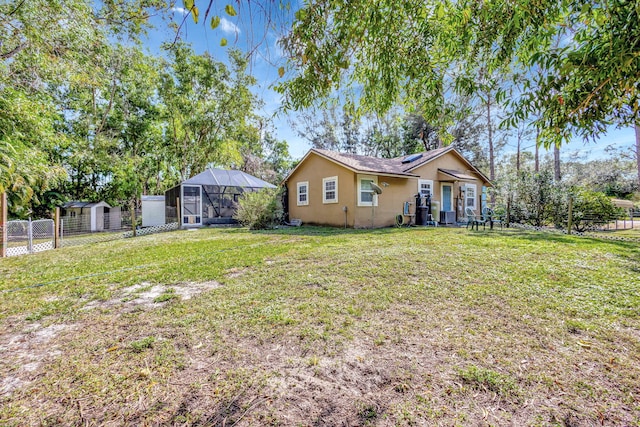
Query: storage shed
x,y
210,197
90,216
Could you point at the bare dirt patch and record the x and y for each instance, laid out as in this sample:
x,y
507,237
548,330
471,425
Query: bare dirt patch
x,y
236,272
25,348
23,352
148,295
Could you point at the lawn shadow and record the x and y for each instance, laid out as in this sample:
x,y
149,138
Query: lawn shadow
x,y
313,230
629,252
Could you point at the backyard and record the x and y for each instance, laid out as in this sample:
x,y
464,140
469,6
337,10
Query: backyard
x,y
316,326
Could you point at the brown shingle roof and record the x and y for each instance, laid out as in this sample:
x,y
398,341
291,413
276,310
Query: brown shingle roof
x,y
377,165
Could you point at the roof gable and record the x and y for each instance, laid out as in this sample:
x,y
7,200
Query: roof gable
x,y
399,166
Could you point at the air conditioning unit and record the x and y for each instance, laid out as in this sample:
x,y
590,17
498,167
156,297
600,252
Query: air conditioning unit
x,y
447,217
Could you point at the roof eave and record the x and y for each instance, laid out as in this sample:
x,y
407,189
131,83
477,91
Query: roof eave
x,y
348,167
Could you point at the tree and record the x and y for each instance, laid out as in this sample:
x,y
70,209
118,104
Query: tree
x,y
47,47
637,152
580,60
209,109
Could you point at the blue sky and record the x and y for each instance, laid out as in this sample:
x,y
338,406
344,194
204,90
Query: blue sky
x,y
247,30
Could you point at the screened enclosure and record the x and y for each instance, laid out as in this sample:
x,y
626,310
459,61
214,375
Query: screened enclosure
x,y
210,197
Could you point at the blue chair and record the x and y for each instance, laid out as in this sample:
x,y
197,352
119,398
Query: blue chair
x,y
490,216
474,220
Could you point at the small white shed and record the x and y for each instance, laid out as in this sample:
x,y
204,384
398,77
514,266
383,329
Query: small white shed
x,y
88,216
152,211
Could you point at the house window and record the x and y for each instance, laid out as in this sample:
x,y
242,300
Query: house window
x,y
72,214
330,190
425,187
303,193
470,196
365,191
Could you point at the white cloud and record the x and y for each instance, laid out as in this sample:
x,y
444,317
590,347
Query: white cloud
x,y
228,27
179,10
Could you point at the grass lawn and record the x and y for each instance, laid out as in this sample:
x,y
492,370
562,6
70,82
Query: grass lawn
x,y
314,326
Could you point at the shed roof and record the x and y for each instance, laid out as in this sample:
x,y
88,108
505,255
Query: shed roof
x,y
150,198
227,178
79,204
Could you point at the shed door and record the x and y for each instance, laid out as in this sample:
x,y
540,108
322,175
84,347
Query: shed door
x,y
191,205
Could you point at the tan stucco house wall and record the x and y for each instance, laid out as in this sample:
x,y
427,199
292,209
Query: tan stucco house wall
x,y
399,181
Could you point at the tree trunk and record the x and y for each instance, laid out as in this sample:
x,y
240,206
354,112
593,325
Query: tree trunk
x,y
638,152
492,166
556,163
537,155
492,160
518,156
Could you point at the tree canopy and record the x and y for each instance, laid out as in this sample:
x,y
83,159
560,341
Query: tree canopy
x,y
579,60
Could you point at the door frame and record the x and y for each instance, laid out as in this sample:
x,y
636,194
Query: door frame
x,y
182,213
451,205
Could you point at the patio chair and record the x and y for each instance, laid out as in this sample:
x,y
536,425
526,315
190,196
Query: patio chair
x,y
489,215
474,220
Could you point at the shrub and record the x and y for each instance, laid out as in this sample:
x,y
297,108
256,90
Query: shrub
x,y
259,210
591,208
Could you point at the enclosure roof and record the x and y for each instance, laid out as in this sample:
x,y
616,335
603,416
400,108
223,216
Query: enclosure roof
x,y
78,204
227,178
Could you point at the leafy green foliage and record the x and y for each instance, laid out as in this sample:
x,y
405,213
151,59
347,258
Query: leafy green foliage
x,y
578,64
85,114
591,207
534,198
208,110
259,210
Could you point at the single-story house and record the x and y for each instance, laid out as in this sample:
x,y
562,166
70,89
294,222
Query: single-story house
x,y
210,197
153,210
90,216
338,189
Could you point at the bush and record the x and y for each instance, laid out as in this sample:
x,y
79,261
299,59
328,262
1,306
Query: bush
x,y
259,210
591,208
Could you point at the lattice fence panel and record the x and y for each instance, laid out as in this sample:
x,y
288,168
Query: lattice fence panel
x,y
25,237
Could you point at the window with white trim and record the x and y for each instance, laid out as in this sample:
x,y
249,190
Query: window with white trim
x,y
425,187
470,194
303,193
330,190
365,191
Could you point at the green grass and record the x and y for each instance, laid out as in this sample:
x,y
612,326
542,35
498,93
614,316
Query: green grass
x,y
315,325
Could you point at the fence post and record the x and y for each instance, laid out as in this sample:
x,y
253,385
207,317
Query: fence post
x,y
56,228
570,220
179,213
30,236
133,219
3,225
